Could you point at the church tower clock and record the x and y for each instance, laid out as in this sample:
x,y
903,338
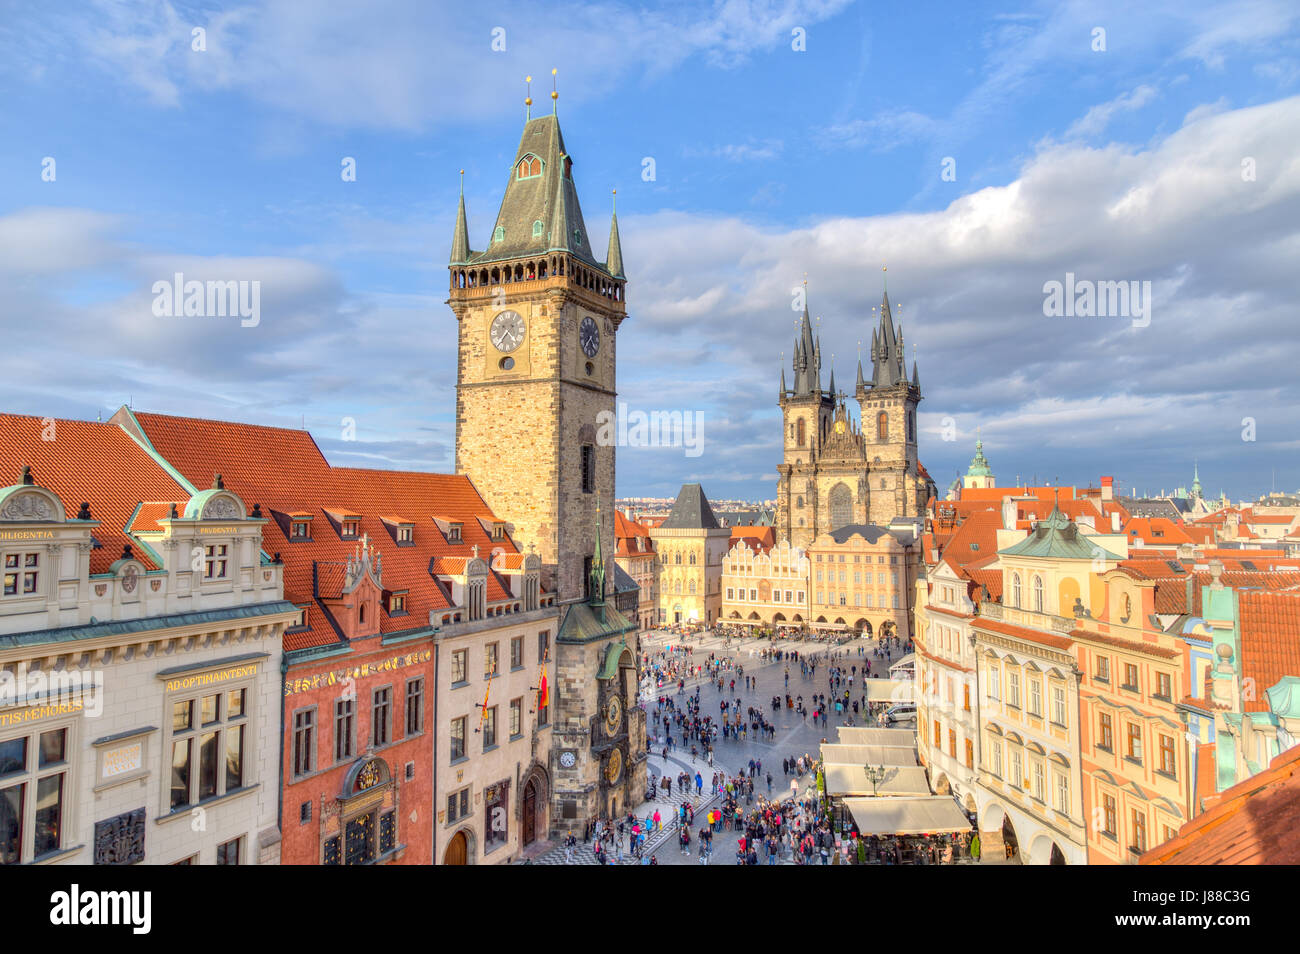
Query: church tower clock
x,y
538,316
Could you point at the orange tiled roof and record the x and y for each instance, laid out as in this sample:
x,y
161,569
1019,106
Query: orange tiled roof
x,y
284,471
1155,529
976,539
1251,823
147,517
764,536
1131,645
1270,640
1054,640
92,462
998,493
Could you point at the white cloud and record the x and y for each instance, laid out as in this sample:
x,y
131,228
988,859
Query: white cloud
x,y
1096,119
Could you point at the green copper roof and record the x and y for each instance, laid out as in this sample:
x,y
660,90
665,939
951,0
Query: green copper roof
x,y
550,198
979,465
614,257
582,623
1058,537
609,665
460,240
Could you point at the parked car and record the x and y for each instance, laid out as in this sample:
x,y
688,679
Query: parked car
x,y
903,712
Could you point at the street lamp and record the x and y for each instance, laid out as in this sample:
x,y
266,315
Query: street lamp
x,y
875,775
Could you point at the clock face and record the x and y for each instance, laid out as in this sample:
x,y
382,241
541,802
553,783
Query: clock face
x,y
567,759
613,716
589,337
507,331
614,767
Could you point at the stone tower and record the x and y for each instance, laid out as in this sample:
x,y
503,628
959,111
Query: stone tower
x,y
834,473
888,405
806,412
537,317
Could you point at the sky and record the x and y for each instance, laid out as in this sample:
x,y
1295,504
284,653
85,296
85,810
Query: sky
x,y
980,151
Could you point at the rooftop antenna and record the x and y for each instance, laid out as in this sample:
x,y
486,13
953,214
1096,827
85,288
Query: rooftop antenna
x,y
528,98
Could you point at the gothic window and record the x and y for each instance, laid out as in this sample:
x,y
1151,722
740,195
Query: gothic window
x,y
840,502
677,558
1015,590
537,230
692,559
802,435
1038,594
677,587
529,166
882,426
798,501
499,235
691,587
588,468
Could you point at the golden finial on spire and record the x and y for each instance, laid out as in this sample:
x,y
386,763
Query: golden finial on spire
x,y
462,182
554,92
528,97
805,279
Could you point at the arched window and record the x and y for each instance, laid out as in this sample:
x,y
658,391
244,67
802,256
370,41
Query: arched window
x,y
537,228
677,558
362,616
692,559
529,166
1015,590
499,235
1038,594
677,587
882,426
802,435
691,587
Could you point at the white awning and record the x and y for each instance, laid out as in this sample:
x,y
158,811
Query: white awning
x,y
844,780
935,815
852,735
890,690
901,755
907,662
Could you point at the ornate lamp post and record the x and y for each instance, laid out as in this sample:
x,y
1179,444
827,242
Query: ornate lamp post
x,y
875,775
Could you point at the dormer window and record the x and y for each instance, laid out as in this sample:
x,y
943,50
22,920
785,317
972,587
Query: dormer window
x,y
404,534
300,530
538,228
350,529
498,531
397,603
453,533
499,234
529,167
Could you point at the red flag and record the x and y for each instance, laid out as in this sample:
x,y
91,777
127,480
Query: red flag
x,y
543,696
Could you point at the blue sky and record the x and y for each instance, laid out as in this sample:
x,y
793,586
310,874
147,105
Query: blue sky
x,y
1115,164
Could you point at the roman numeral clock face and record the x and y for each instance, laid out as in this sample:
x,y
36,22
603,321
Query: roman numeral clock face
x,y
507,331
589,337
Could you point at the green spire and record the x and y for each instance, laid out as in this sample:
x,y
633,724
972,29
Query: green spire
x,y
460,239
597,567
614,259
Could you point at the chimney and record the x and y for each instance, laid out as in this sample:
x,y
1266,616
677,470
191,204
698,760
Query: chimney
x,y
1108,488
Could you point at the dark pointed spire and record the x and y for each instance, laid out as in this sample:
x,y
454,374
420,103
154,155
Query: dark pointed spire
x,y
460,238
614,257
832,387
783,382
559,225
916,378
861,382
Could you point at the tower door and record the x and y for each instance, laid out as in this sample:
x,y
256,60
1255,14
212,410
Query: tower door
x,y
530,812
456,850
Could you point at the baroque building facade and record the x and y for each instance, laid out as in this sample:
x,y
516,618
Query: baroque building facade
x,y
834,472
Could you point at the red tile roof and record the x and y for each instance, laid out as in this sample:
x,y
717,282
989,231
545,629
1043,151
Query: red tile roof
x,y
1251,823
1270,640
284,471
1160,530
92,462
764,535
976,539
1054,640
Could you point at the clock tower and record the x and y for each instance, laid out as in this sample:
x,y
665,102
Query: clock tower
x,y
537,320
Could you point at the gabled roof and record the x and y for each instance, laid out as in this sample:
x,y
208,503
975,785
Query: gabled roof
x,y
691,511
284,471
96,463
1270,640
764,537
1251,823
975,539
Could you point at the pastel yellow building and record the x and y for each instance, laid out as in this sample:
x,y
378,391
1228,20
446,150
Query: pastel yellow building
x,y
691,546
765,586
